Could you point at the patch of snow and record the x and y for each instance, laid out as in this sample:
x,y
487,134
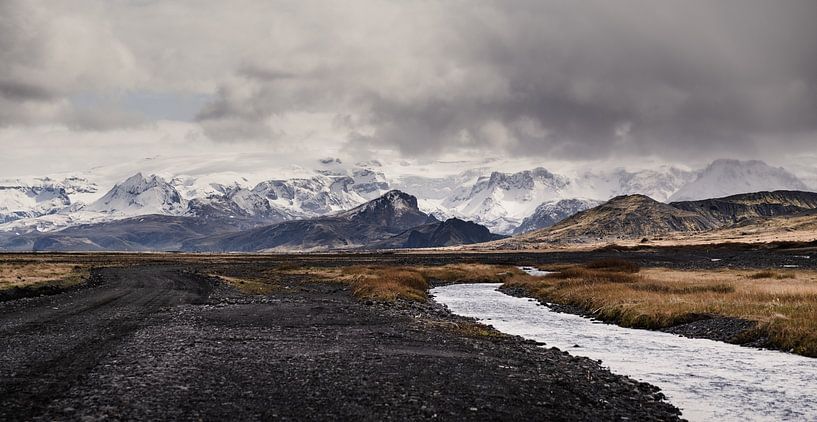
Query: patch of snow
x,y
533,271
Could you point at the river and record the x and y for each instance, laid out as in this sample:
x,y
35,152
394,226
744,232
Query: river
x,y
707,380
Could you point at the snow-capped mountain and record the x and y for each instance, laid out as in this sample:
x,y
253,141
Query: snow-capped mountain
x,y
21,199
322,194
552,212
394,209
501,201
139,195
365,225
498,200
235,202
730,177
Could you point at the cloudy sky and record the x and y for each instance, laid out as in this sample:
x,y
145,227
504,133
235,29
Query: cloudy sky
x,y
92,82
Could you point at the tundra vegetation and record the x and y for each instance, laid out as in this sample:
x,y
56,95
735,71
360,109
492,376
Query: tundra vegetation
x,y
782,303
38,274
379,282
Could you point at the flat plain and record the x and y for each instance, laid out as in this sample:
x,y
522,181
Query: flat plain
x,y
186,336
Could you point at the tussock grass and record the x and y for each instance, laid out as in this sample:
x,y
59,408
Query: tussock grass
x,y
388,283
779,275
784,307
687,289
372,282
588,276
34,274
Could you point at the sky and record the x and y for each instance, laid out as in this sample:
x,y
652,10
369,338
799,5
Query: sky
x,y
97,82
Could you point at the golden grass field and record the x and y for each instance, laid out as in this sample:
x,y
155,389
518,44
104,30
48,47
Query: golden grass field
x,y
34,274
381,282
782,302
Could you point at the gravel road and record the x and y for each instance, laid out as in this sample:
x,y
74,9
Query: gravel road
x,y
164,342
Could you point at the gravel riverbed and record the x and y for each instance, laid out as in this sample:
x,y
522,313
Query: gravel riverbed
x,y
165,342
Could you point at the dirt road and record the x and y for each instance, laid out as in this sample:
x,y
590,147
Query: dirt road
x,y
162,342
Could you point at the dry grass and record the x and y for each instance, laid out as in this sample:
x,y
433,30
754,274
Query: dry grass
x,y
371,282
36,274
784,304
777,275
388,283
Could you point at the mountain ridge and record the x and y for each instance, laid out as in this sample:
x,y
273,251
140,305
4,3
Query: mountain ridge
x,y
634,217
378,219
499,200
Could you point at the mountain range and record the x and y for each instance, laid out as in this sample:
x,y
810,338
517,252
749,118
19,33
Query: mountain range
x,y
211,211
505,202
392,220
638,217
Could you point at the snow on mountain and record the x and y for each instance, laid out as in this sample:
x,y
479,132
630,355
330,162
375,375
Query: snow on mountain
x,y
249,201
552,212
324,193
139,195
192,187
498,200
394,209
236,202
501,200
23,201
40,196
730,177
432,191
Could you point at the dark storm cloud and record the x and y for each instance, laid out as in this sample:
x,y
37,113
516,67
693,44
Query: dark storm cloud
x,y
574,79
21,91
568,79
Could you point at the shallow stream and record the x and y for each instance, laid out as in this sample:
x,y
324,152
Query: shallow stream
x,y
707,380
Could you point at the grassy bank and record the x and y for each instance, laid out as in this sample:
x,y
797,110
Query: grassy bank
x,y
33,275
783,303
376,282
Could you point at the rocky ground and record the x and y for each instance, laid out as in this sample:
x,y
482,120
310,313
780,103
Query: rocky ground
x,y
165,341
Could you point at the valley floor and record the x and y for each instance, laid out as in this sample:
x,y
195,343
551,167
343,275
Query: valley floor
x,y
214,337
157,337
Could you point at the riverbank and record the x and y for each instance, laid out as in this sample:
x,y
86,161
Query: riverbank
x,y
759,308
707,380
